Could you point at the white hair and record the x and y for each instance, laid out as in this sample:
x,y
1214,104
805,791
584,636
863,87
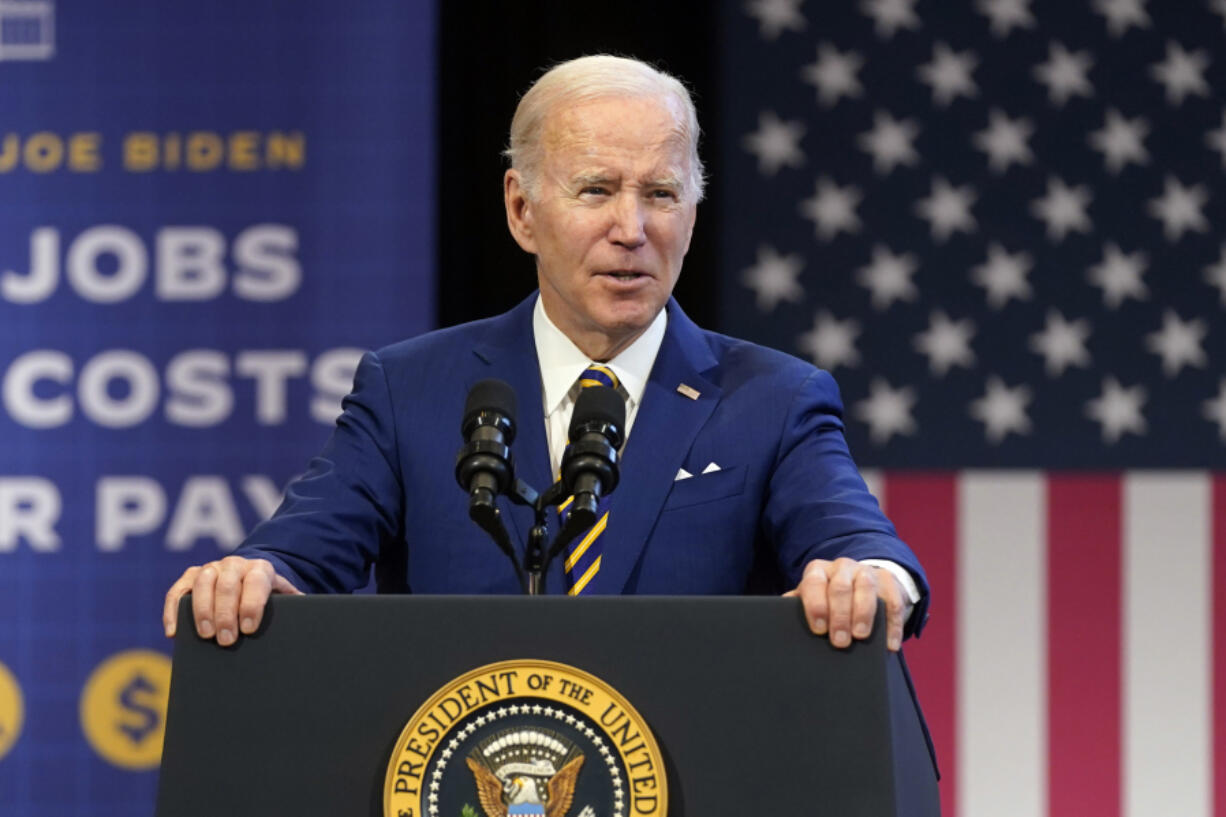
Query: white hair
x,y
586,79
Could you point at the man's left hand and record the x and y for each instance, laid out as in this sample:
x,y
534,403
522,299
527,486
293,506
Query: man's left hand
x,y
840,598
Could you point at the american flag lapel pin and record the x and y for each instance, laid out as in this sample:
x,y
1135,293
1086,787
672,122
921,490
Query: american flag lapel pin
x,y
688,391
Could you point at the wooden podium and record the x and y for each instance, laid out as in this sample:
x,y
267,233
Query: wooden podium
x,y
753,714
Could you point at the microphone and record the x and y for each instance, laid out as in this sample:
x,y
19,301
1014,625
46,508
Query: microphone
x,y
484,467
589,465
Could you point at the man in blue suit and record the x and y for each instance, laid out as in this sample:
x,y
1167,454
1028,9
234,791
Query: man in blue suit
x,y
735,476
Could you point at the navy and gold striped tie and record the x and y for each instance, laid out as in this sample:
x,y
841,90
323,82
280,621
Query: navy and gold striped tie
x,y
583,556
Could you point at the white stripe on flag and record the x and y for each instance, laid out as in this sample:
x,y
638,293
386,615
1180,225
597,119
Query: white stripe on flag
x,y
876,483
1002,650
1167,645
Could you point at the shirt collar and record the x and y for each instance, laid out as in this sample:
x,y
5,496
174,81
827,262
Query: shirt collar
x,y
561,361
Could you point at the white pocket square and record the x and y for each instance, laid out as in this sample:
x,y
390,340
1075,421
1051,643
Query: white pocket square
x,y
682,474
711,469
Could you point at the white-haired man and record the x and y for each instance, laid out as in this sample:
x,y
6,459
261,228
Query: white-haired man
x,y
735,476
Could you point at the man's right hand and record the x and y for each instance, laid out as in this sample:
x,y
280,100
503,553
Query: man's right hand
x,y
228,597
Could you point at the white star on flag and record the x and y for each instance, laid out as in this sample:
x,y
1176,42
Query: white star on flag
x,y
1215,274
946,343
832,209
947,209
1215,409
951,141
1118,410
1004,140
887,411
776,143
831,342
1062,343
1178,208
1003,275
891,15
1181,73
890,142
1119,275
1064,74
1216,139
774,278
1006,14
1121,140
949,74
776,16
1120,14
1002,410
834,74
888,277
1178,343
1063,209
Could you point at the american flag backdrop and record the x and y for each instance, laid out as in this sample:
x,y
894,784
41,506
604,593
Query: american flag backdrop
x,y
999,224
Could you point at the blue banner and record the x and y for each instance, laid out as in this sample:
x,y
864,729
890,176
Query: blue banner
x,y
207,211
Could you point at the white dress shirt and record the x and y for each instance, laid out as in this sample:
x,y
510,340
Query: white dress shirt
x,y
561,364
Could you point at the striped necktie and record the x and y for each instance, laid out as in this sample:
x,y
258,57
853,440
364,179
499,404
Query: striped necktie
x,y
583,556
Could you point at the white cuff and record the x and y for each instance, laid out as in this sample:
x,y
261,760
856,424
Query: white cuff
x,y
910,588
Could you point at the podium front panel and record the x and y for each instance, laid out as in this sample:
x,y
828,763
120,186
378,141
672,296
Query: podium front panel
x,y
753,714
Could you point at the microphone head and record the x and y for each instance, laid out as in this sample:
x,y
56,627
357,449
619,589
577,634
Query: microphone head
x,y
599,406
490,402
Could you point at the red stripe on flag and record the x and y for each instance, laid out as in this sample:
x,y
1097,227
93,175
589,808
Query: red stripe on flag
x,y
1084,594
923,507
1218,527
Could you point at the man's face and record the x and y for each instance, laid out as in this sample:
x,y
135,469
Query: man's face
x,y
612,218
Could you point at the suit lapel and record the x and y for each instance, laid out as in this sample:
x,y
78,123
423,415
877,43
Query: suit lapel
x,y
509,350
663,433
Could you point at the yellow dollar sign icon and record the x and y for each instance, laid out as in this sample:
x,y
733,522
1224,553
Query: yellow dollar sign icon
x,y
123,708
12,710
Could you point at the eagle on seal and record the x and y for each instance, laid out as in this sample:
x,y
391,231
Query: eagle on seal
x,y
520,795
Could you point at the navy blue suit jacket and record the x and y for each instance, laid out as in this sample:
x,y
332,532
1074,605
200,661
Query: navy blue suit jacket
x,y
382,491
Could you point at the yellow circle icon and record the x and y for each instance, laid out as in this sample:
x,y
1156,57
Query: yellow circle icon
x,y
123,708
12,710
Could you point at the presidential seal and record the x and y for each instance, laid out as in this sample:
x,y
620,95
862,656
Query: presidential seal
x,y
527,737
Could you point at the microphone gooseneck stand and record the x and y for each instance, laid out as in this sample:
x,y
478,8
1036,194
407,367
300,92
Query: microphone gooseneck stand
x,y
485,468
538,557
